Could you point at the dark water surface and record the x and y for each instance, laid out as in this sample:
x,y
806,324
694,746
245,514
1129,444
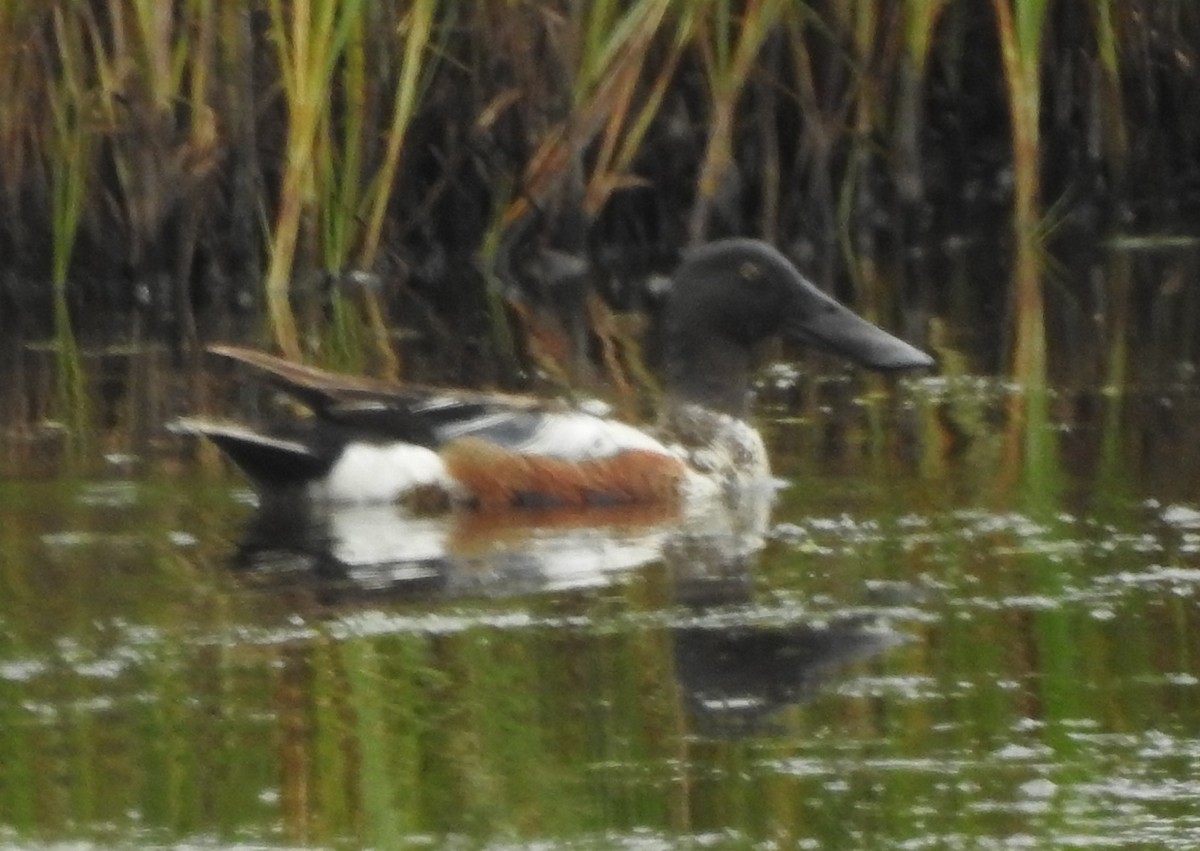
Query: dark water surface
x,y
941,637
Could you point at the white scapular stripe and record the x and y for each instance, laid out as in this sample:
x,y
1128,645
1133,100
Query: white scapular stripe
x,y
578,436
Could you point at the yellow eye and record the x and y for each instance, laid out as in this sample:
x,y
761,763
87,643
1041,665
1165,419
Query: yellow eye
x,y
750,271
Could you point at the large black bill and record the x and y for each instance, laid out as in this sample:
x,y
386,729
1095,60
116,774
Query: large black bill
x,y
828,325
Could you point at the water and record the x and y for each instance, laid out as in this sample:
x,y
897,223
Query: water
x,y
937,638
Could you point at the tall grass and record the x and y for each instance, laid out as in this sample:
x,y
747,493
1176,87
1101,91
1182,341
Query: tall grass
x,y
309,36
338,60
729,44
921,18
69,169
1021,30
191,147
417,32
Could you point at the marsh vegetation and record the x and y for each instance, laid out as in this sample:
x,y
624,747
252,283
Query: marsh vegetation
x,y
343,168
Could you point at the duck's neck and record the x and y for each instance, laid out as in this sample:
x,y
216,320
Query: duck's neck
x,y
712,373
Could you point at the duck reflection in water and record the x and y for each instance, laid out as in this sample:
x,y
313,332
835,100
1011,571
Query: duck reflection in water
x,y
384,551
734,673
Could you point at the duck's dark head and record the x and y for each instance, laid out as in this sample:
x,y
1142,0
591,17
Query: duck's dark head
x,y
728,296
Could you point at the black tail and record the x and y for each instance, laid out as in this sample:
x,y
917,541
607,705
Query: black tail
x,y
270,461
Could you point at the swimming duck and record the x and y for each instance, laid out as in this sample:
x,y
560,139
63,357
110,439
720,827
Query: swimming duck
x,y
375,441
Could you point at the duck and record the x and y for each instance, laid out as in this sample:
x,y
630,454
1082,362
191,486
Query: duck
x,y
368,440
